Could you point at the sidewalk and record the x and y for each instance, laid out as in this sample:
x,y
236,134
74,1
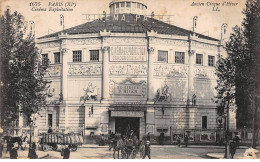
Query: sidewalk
x,y
24,154
160,146
221,155
238,155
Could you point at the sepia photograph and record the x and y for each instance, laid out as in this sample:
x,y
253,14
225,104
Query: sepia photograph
x,y
129,79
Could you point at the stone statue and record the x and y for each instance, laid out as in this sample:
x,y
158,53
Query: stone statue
x,y
90,93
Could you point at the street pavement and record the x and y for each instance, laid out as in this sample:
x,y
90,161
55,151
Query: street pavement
x,y
157,152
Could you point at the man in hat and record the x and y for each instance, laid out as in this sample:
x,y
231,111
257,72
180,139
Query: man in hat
x,y
147,150
66,153
13,151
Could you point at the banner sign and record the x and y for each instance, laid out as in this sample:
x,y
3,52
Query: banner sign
x,y
127,53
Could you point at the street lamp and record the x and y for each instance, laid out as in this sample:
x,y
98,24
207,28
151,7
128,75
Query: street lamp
x,y
30,123
227,130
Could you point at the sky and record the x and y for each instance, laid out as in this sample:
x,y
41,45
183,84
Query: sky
x,y
209,21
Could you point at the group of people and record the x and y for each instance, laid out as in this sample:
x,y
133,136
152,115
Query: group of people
x,y
12,148
129,142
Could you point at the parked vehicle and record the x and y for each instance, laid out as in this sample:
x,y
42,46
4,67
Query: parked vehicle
x,y
53,141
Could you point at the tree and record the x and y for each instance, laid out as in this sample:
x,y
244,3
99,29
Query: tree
x,y
242,64
23,87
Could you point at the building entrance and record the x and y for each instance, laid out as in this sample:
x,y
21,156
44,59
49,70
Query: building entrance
x,y
125,125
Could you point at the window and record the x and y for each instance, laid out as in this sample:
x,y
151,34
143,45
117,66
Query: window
x,y
163,56
49,120
117,5
44,59
211,60
179,57
199,59
57,57
122,4
138,5
77,56
204,122
128,4
94,55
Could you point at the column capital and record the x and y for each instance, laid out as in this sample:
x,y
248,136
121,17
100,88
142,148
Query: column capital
x,y
64,50
105,48
151,50
191,52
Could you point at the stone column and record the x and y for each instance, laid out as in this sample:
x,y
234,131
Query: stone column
x,y
150,120
105,72
150,80
64,87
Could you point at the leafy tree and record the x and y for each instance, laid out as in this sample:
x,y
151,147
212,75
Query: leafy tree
x,y
241,68
23,87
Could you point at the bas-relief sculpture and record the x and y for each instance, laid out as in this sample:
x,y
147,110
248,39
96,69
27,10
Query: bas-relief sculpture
x,y
53,71
205,73
91,93
88,41
124,41
170,71
171,91
169,42
50,44
85,70
128,69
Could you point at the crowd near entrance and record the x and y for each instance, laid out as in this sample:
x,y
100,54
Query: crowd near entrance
x,y
123,125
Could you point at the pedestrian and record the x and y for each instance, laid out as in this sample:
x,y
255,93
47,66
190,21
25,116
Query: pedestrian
x,y
232,149
1,148
102,141
32,153
148,138
179,141
147,150
236,140
186,139
13,152
66,153
9,146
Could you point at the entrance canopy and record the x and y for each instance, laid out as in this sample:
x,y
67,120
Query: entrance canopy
x,y
127,114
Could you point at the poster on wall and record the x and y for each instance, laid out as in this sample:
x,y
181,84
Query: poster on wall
x,y
207,136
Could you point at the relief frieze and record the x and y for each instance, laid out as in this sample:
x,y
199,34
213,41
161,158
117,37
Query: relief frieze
x,y
170,71
204,46
53,71
85,70
169,42
204,73
88,41
128,69
126,40
50,44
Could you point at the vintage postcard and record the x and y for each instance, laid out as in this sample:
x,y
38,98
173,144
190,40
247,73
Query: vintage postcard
x,y
129,79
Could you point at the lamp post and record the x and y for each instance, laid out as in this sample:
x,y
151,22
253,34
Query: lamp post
x,y
30,124
227,132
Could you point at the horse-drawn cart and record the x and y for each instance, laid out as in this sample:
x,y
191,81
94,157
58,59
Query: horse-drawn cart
x,y
53,141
